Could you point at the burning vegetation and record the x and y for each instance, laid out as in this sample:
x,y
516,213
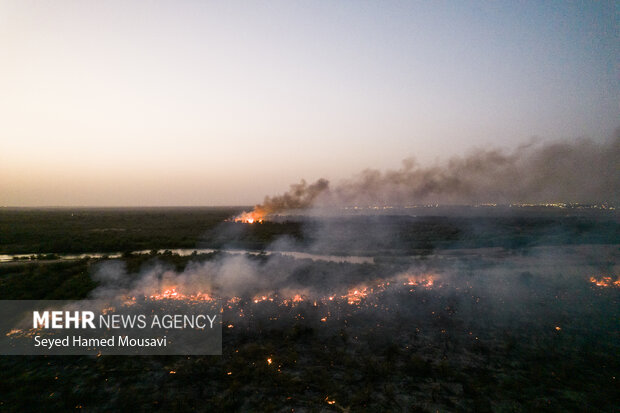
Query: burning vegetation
x,y
299,196
470,318
529,174
355,296
605,281
255,216
433,336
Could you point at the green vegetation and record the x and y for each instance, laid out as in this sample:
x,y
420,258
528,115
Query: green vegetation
x,y
45,281
403,235
49,231
56,231
106,229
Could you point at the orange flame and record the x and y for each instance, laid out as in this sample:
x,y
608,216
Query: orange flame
x,y
353,296
418,281
250,217
259,298
297,298
356,295
605,281
172,294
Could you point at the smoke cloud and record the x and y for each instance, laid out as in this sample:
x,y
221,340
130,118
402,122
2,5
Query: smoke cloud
x,y
582,171
300,196
505,279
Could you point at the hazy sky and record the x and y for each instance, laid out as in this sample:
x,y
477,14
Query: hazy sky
x,y
207,103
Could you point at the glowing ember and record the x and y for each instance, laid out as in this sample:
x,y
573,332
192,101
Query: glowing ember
x,y
260,298
425,281
355,296
172,294
605,281
295,299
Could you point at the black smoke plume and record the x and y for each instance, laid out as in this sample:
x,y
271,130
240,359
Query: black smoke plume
x,y
581,171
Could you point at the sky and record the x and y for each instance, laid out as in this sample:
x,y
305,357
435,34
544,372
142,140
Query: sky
x,y
122,103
